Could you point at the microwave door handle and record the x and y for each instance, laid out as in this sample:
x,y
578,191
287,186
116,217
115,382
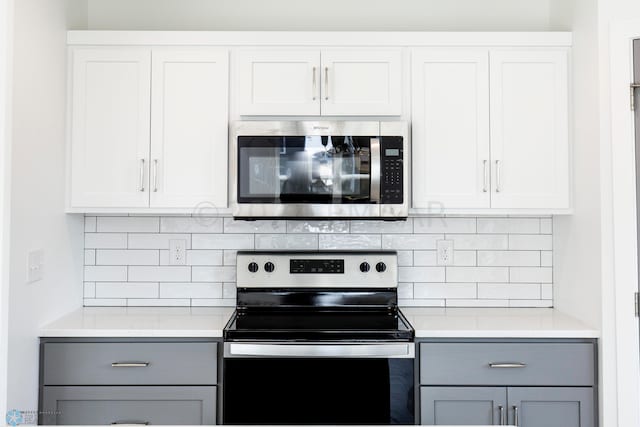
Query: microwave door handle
x,y
375,171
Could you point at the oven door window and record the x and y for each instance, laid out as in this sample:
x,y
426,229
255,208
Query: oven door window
x,y
318,391
304,169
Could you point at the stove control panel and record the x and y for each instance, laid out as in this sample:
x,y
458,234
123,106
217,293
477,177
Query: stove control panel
x,y
317,269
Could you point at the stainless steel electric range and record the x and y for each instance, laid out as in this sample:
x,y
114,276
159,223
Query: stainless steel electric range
x,y
318,338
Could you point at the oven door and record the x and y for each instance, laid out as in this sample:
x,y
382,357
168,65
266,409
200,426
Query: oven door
x,y
314,169
333,384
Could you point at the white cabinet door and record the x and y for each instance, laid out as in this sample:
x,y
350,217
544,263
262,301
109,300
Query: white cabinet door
x,y
278,82
529,129
110,127
189,128
450,123
362,82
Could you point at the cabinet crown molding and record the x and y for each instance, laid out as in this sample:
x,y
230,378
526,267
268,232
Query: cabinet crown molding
x,y
322,38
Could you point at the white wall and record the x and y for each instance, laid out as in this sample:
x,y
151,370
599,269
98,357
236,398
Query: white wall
x,y
38,184
6,12
347,15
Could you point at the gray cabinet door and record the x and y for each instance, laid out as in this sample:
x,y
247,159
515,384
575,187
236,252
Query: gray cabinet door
x,y
128,405
462,405
551,406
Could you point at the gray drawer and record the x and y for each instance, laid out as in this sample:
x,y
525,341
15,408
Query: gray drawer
x,y
149,363
129,405
562,364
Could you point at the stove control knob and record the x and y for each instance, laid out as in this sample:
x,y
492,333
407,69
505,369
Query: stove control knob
x,y
269,267
365,267
253,267
381,267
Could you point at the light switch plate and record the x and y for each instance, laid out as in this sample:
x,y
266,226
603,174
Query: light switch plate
x,y
35,265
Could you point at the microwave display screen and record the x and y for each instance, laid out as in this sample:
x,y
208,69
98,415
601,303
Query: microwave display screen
x,y
392,152
304,169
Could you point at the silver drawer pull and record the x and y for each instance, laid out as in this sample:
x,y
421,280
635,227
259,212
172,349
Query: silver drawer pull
x,y
130,423
130,364
508,365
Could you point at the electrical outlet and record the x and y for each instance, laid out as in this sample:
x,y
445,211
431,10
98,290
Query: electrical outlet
x,y
35,265
445,252
177,252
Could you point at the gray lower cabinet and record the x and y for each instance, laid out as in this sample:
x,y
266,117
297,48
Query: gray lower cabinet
x,y
551,406
462,405
145,381
528,383
82,405
535,406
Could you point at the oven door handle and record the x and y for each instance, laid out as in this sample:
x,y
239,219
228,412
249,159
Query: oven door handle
x,y
376,174
388,351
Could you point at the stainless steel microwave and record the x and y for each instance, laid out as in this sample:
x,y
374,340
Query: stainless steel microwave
x,y
319,169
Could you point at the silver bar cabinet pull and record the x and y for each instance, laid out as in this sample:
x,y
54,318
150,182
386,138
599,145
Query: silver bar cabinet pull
x,y
633,88
130,423
484,176
142,175
326,83
155,175
315,84
130,364
516,420
498,180
502,420
508,365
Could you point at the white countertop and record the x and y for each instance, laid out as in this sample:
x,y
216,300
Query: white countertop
x,y
169,322
175,322
496,323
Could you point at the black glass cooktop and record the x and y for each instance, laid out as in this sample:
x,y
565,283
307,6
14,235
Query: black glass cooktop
x,y
318,325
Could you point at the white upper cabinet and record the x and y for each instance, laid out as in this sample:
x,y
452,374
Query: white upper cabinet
x,y
361,82
139,142
450,116
490,130
110,127
189,110
278,82
332,82
529,129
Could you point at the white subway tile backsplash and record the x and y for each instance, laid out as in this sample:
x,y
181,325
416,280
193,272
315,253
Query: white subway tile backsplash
x,y
479,241
497,262
444,290
105,241
90,224
508,258
94,273
89,257
421,274
265,226
223,241
156,241
444,225
286,241
127,257
508,225
386,227
508,290
126,290
537,242
410,241
317,226
190,290
128,224
160,274
531,274
350,241
214,274
477,274
198,224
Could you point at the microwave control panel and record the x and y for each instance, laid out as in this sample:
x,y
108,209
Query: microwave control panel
x,y
392,170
